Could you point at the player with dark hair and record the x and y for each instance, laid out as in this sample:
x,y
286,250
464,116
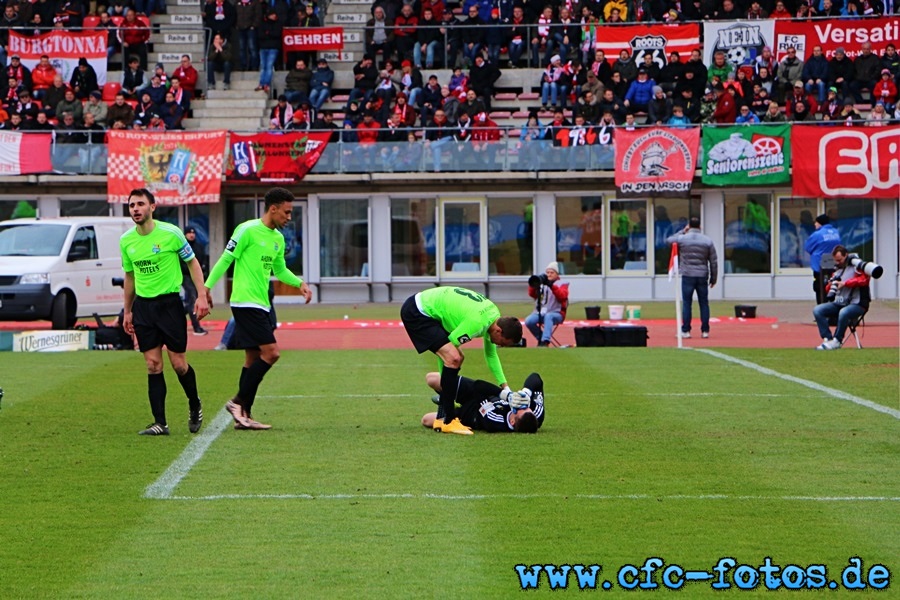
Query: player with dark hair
x,y
151,253
441,320
257,250
482,409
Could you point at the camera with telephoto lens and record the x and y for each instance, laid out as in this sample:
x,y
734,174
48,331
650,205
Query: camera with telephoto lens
x,y
871,269
832,291
537,281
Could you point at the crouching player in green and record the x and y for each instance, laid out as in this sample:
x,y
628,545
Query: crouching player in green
x,y
441,320
257,250
482,409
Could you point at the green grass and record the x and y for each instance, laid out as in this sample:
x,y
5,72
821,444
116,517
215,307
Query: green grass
x,y
645,452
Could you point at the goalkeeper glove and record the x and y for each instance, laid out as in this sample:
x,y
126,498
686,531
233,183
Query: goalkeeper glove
x,y
519,401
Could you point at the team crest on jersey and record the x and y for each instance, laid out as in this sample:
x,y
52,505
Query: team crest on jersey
x,y
231,246
156,249
276,246
463,339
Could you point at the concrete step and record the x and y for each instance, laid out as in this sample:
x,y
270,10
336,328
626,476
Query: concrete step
x,y
232,124
234,93
234,105
222,113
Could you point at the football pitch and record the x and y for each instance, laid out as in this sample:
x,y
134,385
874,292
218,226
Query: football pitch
x,y
781,457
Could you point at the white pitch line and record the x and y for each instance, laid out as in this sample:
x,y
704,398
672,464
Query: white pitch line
x,y
162,488
805,382
591,395
601,497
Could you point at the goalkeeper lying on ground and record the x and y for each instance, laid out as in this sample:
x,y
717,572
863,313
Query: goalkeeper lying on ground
x,y
486,407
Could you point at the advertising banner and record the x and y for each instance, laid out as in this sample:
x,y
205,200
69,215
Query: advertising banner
x,y
23,153
656,161
274,157
178,167
311,39
51,341
747,155
658,39
848,34
741,41
64,49
846,162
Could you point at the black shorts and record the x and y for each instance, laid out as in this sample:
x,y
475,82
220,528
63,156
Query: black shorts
x,y
158,322
253,327
426,333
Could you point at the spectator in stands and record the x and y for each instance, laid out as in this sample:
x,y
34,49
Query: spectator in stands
x,y
459,82
269,38
759,102
187,75
70,104
247,20
841,72
365,77
849,115
157,90
296,82
54,94
473,105
68,139
438,135
20,72
407,112
428,40
68,14
391,139
640,92
42,77
588,106
774,114
780,12
26,105
625,67
118,8
379,34
649,65
720,68
678,118
690,104
890,60
550,86
92,156
766,79
616,11
879,116
309,113
541,38
867,67
121,110
756,11
450,104
746,116
829,9
660,107
799,96
281,114
96,108
112,34
465,160
672,74
601,68
367,133
482,77
134,79
155,123
485,138
385,89
135,36
612,104
471,35
728,12
145,108
765,59
220,58
8,22
160,70
531,143
790,70
430,98
517,36
411,82
41,123
495,37
832,106
170,111
405,34
592,84
13,123
320,84
885,91
219,17
726,107
182,96
815,74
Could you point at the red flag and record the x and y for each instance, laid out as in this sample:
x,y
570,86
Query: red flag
x,y
673,261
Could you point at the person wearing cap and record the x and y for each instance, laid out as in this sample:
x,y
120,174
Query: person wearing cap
x,y
70,104
96,107
550,82
867,66
831,108
84,79
411,82
885,91
849,115
660,107
20,72
640,93
726,107
135,36
320,84
815,74
551,296
495,36
799,95
821,243
841,72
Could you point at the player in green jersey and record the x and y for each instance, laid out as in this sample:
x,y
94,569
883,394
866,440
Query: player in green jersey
x,y
151,255
257,250
441,320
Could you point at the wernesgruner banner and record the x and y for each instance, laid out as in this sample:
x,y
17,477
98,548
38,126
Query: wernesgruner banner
x,y
274,157
746,154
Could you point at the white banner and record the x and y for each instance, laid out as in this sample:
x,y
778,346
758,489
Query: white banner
x,y
741,41
51,341
64,49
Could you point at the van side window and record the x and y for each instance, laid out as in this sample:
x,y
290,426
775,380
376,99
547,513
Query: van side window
x,y
84,245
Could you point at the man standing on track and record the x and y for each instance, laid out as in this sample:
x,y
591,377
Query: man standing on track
x,y
153,308
257,250
442,319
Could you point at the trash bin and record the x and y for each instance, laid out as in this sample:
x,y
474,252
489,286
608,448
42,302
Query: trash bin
x,y
592,313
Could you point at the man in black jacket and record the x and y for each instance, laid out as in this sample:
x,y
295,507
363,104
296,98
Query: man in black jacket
x,y
482,77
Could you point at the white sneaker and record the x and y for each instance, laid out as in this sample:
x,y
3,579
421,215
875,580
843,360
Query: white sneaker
x,y
832,344
704,335
686,335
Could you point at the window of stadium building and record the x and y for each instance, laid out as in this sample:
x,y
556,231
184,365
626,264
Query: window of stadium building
x,y
748,233
344,245
510,236
85,208
579,235
855,221
627,235
412,236
462,237
17,209
670,215
796,222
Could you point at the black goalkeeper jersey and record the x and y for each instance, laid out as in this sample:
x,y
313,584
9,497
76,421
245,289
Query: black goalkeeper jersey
x,y
483,410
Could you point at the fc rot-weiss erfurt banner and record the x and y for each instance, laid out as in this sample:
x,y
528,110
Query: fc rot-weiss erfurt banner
x,y
846,162
274,157
64,49
747,155
178,167
656,161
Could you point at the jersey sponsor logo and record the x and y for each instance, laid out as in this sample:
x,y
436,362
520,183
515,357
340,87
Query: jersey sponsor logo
x,y
464,338
156,249
231,246
486,407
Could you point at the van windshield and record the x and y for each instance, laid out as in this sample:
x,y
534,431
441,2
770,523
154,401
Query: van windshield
x,y
32,239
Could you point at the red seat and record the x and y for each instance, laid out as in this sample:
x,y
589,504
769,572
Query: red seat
x,y
110,89
117,20
91,22
144,19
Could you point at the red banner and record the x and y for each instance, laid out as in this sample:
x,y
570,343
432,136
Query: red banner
x,y
179,167
834,33
846,162
656,161
22,153
274,157
310,39
64,49
659,40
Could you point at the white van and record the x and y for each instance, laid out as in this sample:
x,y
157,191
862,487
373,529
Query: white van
x,y
61,269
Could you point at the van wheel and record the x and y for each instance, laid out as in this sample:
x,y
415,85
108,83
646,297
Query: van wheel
x,y
62,314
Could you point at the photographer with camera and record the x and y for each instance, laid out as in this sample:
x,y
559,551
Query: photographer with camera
x,y
821,242
551,297
846,296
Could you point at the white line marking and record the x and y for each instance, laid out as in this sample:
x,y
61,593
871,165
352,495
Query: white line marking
x,y
591,395
455,497
810,384
162,488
